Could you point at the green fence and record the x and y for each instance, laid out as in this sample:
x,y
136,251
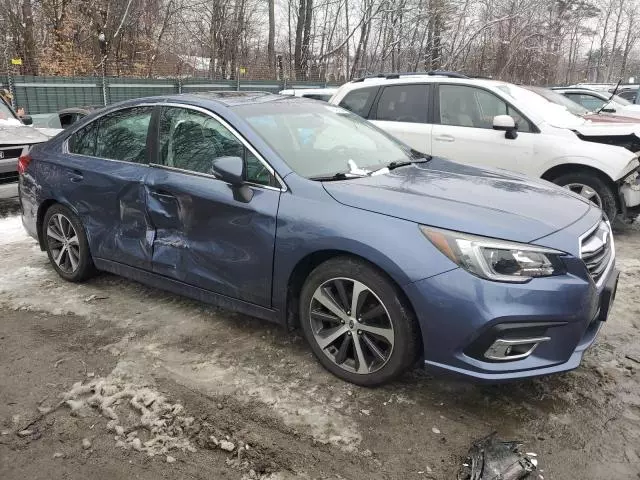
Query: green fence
x,y
49,94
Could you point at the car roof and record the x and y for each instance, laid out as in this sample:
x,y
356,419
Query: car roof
x,y
403,79
307,91
212,99
582,90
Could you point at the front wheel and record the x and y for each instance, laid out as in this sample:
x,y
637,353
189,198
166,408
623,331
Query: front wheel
x,y
357,323
593,188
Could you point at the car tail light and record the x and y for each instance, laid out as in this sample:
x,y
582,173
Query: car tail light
x,y
23,163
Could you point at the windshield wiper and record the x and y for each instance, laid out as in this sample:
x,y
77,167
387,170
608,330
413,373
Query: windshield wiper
x,y
613,94
336,176
402,163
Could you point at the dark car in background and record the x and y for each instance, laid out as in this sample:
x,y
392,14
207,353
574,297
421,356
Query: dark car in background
x,y
303,213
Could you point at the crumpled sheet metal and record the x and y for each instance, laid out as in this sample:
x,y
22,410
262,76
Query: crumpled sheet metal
x,y
492,459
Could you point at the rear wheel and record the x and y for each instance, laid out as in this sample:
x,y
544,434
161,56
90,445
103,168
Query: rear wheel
x,y
357,323
66,244
593,188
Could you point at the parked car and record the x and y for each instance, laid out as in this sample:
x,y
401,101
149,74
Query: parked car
x,y
69,116
497,124
595,101
323,94
303,213
600,87
62,119
628,92
15,137
578,110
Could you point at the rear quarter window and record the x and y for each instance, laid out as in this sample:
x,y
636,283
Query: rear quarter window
x,y
359,101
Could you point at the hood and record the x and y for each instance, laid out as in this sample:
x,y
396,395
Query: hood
x,y
20,134
453,196
609,118
629,110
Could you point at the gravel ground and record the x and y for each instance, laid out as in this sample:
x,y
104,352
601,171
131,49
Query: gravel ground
x,y
177,389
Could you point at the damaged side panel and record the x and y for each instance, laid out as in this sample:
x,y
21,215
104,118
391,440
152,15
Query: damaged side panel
x,y
208,239
110,199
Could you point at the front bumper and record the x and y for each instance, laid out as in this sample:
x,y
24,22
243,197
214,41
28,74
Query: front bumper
x,y
460,315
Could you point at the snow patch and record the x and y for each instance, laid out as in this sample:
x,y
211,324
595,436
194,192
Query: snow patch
x,y
141,418
11,230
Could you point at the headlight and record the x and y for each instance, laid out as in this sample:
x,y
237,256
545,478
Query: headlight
x,y
496,260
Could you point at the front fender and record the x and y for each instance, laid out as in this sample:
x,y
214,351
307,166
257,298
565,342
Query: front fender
x,y
307,225
615,167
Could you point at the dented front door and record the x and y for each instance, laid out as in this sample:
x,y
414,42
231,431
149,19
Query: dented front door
x,y
207,235
206,238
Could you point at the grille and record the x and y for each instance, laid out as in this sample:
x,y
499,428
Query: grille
x,y
596,250
12,151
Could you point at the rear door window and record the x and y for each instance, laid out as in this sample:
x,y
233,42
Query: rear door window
x,y
403,103
122,135
360,101
119,135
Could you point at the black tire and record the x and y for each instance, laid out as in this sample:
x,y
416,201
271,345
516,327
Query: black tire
x,y
405,330
84,267
599,185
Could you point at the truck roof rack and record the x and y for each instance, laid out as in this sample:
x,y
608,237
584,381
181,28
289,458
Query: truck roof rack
x,y
392,76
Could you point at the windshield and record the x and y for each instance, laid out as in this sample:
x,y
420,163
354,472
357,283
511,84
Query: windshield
x,y
555,97
318,140
620,100
553,114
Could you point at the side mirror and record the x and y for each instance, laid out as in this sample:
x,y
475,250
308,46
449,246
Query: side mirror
x,y
26,119
609,110
229,169
507,124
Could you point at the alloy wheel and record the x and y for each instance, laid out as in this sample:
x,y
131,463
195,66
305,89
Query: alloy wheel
x,y
63,243
585,191
351,325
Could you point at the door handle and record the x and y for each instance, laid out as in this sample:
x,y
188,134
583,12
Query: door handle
x,y
445,138
75,176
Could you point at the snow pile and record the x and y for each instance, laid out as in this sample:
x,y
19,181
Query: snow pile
x,y
11,230
141,418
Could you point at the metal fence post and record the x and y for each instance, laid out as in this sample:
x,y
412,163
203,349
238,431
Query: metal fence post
x,y
12,89
237,78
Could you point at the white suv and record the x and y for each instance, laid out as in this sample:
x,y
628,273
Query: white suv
x,y
498,124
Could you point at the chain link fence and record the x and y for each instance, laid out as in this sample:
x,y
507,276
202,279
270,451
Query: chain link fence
x,y
39,95
43,94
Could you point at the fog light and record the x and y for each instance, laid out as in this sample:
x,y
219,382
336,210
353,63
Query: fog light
x,y
504,349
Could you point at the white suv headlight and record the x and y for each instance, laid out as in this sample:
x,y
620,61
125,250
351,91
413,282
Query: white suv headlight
x,y
496,260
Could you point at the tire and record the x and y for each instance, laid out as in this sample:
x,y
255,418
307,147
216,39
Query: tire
x,y
62,230
388,352
607,196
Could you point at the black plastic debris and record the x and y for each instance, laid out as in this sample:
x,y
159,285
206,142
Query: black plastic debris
x,y
492,459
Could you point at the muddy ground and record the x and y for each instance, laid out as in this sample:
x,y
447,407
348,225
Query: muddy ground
x,y
230,379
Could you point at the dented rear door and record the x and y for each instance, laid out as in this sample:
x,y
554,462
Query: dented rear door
x,y
102,178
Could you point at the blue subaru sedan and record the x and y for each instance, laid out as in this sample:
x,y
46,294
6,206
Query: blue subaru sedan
x,y
304,214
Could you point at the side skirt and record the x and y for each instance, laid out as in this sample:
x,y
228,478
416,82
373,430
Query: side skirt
x,y
180,288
